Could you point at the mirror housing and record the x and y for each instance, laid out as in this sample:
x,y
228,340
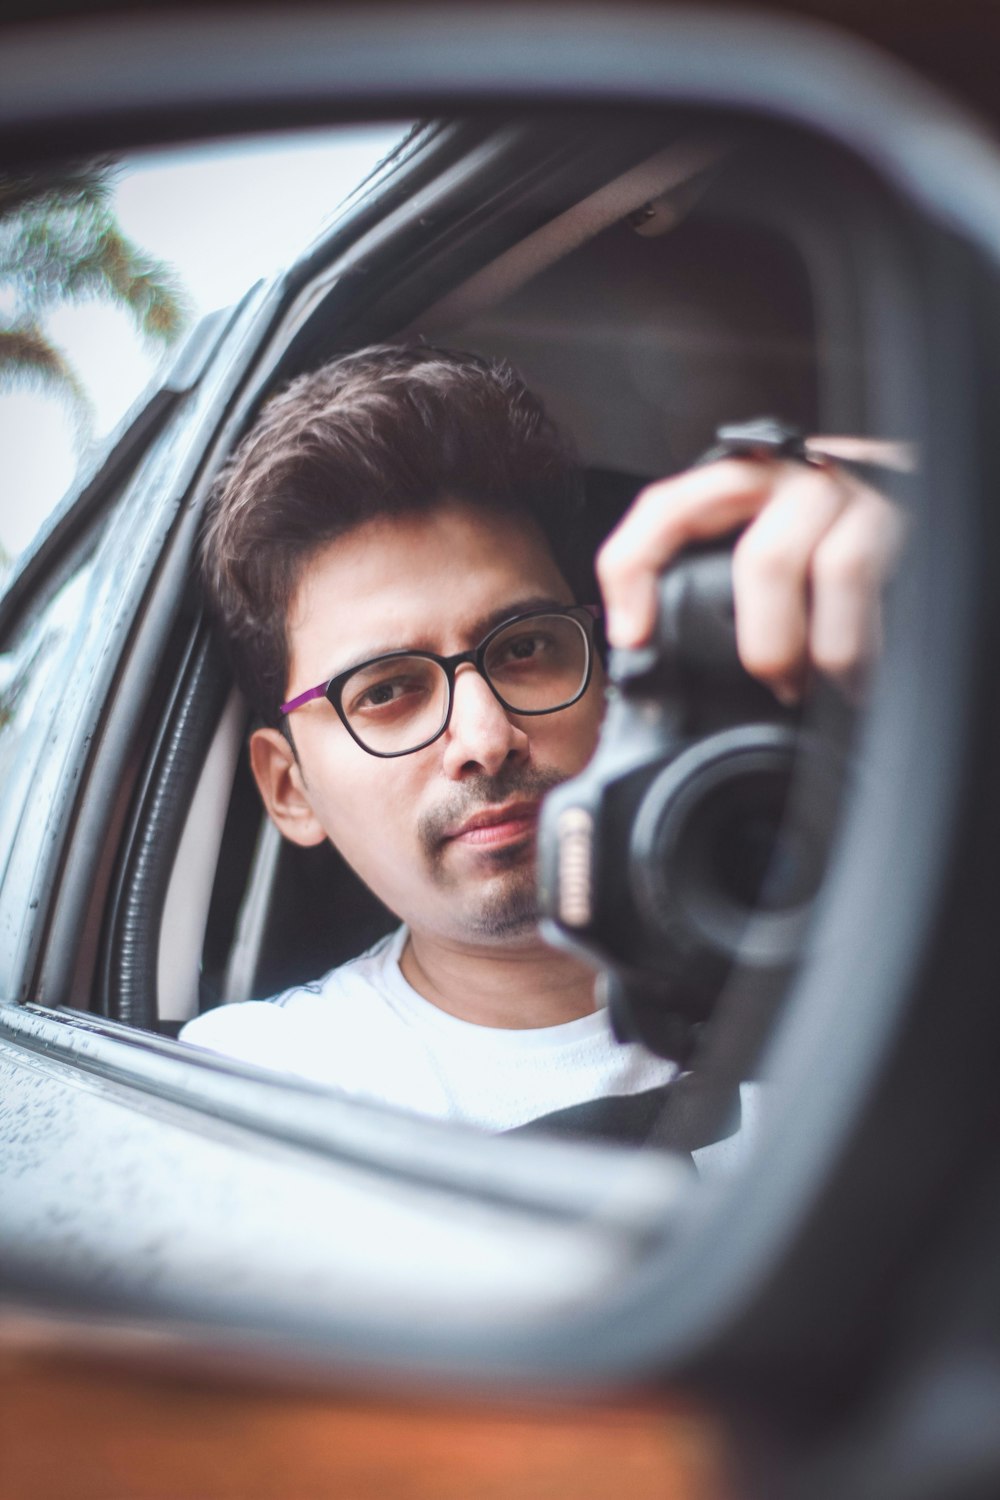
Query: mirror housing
x,y
748,1283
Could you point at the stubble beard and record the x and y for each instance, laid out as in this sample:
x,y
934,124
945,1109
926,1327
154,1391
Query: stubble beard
x,y
504,904
508,908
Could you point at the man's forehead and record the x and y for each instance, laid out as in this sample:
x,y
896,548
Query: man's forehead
x,y
419,533
453,513
402,580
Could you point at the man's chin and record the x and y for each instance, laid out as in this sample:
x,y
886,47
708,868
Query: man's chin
x,y
507,908
495,891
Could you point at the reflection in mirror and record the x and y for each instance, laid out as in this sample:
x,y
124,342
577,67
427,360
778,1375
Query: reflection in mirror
x,y
520,359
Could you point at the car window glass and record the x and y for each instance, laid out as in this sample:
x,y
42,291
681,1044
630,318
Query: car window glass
x,y
111,263
34,670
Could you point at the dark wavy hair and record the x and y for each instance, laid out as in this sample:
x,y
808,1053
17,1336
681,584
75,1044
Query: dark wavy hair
x,y
384,431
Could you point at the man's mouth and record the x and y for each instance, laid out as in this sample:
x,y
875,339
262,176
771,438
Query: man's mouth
x,y
491,815
493,827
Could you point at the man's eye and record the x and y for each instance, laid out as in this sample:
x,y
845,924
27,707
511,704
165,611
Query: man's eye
x,y
533,651
385,692
390,692
523,648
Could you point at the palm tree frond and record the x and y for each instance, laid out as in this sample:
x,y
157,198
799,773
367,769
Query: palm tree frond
x,y
29,359
75,256
69,185
60,241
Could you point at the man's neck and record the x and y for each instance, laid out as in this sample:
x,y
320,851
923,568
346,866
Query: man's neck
x,y
513,988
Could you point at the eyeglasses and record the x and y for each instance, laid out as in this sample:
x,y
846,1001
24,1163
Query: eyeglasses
x,y
536,663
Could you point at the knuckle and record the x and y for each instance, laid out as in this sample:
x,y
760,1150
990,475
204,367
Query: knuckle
x,y
655,493
735,471
604,558
760,560
614,560
842,564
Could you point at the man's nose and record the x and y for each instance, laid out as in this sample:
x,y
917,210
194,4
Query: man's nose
x,y
481,735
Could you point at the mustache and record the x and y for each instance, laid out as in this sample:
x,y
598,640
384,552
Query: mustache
x,y
530,782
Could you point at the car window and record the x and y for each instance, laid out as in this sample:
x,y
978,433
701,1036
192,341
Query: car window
x,y
644,325
36,668
678,287
641,330
113,261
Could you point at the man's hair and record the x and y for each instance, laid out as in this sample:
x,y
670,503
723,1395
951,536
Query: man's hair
x,y
381,432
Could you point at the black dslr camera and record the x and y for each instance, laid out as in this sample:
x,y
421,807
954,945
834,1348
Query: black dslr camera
x,y
684,859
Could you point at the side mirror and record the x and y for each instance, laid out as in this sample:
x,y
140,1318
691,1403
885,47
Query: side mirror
x,y
777,1286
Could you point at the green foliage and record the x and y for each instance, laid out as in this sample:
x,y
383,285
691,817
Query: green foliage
x,y
24,349
60,242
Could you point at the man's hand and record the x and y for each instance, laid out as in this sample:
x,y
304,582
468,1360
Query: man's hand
x,y
807,571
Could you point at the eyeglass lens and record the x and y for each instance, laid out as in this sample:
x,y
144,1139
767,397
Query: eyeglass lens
x,y
536,665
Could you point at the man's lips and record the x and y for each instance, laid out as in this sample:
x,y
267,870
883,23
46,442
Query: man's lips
x,y
496,825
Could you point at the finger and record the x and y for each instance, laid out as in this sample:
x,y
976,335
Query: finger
x,y
667,516
883,452
771,574
848,572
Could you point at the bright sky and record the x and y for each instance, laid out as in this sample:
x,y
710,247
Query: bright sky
x,y
222,216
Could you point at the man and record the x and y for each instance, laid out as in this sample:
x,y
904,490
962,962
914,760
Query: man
x,y
393,560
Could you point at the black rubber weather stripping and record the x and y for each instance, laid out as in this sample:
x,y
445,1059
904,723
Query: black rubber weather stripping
x,y
158,821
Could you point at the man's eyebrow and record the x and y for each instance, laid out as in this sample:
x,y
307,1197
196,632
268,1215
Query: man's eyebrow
x,y
480,627
489,622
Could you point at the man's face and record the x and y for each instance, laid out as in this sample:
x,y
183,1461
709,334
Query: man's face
x,y
446,835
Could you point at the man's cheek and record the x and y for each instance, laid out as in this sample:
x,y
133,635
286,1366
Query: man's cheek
x,y
374,833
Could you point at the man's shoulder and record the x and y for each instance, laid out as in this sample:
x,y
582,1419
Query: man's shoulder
x,y
369,970
362,978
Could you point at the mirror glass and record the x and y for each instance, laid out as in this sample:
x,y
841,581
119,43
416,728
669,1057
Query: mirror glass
x,y
567,316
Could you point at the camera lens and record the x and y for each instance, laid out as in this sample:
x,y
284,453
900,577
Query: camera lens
x,y
749,850
725,858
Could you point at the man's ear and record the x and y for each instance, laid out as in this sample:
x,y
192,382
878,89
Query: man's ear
x,y
279,779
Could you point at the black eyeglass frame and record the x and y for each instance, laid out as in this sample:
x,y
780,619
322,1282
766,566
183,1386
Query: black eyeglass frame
x,y
585,615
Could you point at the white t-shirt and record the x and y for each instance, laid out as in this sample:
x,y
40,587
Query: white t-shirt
x,y
364,1030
